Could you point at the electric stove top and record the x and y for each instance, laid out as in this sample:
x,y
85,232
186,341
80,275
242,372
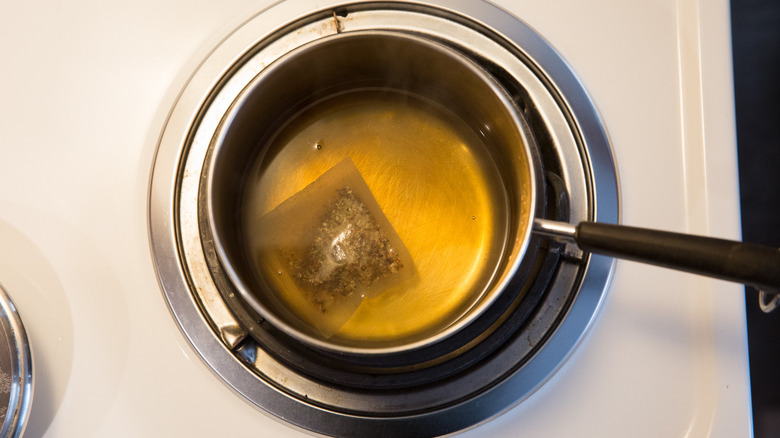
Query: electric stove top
x,y
87,91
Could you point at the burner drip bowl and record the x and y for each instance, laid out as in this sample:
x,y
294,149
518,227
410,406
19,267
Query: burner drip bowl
x,y
481,370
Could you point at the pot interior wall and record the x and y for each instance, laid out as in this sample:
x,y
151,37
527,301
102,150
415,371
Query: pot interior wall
x,y
371,62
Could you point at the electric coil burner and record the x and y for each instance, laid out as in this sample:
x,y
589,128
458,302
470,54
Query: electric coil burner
x,y
467,378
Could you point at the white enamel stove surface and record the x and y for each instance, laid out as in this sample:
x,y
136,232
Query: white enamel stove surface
x,y
86,86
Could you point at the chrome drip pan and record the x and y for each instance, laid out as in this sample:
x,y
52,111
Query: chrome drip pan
x,y
487,367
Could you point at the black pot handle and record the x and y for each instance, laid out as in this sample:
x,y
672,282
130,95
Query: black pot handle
x,y
747,263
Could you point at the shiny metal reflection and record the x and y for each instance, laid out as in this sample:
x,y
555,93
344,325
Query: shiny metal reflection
x,y
16,370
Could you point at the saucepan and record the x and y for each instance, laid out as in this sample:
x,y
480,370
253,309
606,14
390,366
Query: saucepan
x,y
424,70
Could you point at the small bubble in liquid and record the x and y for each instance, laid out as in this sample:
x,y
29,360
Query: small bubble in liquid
x,y
473,218
318,146
279,272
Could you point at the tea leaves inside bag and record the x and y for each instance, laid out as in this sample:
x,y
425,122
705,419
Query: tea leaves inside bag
x,y
330,246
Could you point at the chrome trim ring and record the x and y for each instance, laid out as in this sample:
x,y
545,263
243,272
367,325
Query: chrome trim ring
x,y
183,268
16,370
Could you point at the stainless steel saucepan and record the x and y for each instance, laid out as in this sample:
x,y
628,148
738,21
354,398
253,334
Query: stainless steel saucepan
x,y
433,71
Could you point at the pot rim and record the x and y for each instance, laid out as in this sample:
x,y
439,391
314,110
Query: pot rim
x,y
522,235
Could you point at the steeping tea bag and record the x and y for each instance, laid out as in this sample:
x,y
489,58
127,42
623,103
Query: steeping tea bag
x,y
329,246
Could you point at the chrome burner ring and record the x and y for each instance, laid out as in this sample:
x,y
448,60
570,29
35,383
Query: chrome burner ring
x,y
564,121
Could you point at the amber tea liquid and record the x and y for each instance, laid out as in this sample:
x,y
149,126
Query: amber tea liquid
x,y
432,177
